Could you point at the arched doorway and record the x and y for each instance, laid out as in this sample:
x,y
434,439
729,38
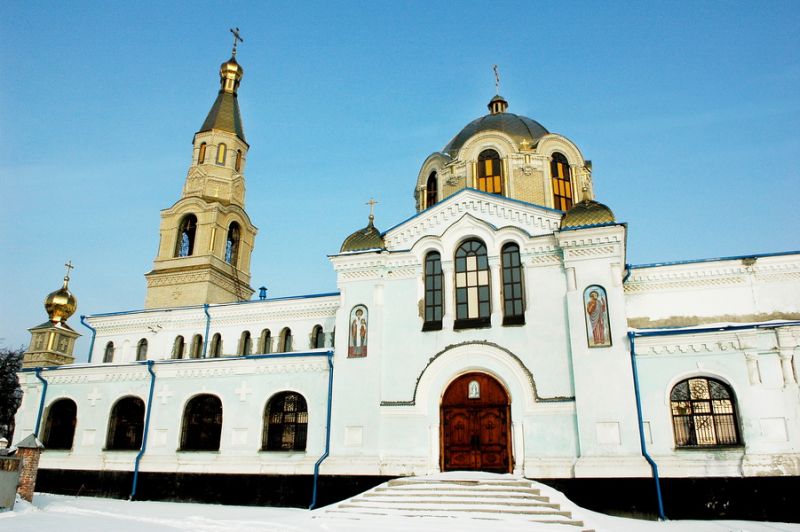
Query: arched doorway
x,y
475,420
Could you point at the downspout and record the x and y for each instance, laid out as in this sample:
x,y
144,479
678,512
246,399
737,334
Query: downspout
x,y
327,432
146,428
627,273
41,401
642,442
208,327
94,333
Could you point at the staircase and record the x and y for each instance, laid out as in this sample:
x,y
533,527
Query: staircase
x,y
483,496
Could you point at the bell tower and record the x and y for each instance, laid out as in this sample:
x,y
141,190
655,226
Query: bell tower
x,y
206,236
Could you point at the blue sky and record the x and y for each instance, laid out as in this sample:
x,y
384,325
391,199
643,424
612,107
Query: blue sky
x,y
690,112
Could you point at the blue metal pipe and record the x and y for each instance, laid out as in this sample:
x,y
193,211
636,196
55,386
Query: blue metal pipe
x,y
327,432
146,429
41,401
208,327
627,273
642,442
94,333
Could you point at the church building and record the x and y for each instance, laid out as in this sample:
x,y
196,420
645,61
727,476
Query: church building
x,y
499,328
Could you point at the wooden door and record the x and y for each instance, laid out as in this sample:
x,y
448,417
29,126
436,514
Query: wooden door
x,y
475,420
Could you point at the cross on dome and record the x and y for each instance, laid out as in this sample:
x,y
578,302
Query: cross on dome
x,y
236,37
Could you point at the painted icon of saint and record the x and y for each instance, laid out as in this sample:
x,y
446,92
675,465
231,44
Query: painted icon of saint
x,y
598,332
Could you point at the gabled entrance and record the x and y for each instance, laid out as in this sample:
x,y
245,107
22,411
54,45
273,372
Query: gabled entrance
x,y
475,420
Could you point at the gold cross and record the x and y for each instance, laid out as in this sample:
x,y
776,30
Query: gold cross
x,y
371,204
496,79
236,37
69,267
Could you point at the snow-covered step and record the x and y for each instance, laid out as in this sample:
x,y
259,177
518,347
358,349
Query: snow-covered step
x,y
434,499
512,496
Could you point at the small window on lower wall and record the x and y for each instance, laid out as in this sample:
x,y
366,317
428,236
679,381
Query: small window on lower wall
x,y
202,424
704,414
285,423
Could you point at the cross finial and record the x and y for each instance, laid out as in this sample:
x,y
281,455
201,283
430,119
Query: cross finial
x,y
236,39
496,79
372,204
69,267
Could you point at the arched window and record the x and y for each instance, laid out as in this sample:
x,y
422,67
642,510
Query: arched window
x,y
562,185
265,342
141,349
184,247
178,347
238,166
245,344
201,156
108,354
434,303
285,423
126,425
472,286
317,337
216,346
430,190
285,341
202,424
703,413
490,172
232,244
59,429
513,295
196,350
222,151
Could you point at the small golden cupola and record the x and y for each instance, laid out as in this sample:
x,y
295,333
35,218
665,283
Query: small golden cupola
x,y
587,213
366,239
53,342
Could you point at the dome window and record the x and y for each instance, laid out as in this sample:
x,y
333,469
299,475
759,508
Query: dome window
x,y
490,172
222,151
430,190
562,182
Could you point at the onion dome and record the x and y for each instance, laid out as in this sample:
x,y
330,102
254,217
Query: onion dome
x,y
365,239
61,304
585,213
523,130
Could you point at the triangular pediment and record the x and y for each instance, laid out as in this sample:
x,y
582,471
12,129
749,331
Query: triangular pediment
x,y
495,211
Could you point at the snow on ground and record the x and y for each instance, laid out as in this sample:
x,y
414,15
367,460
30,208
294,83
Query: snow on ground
x,y
59,513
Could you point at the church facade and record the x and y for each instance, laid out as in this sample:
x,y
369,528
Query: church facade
x,y
500,328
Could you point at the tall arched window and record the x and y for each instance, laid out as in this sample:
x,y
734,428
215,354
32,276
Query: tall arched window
x,y
285,423
562,184
202,424
317,337
238,166
201,156
59,429
216,346
141,349
222,151
703,413
513,294
232,244
265,342
126,425
178,347
108,354
434,302
285,341
184,247
430,190
196,350
245,344
490,172
472,286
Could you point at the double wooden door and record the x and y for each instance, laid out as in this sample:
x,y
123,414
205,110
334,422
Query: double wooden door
x,y
475,421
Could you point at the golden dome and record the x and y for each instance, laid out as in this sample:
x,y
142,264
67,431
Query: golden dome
x,y
587,212
364,239
61,304
230,73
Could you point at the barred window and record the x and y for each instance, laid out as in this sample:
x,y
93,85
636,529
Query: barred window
x,y
434,304
202,424
126,425
562,184
703,413
513,295
490,172
472,286
285,423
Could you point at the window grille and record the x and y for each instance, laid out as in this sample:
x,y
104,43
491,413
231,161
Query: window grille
x,y
703,413
286,423
490,172
472,286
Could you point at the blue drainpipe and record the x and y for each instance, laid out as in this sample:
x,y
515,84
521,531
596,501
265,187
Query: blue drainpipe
x,y
41,401
327,432
647,457
208,327
94,333
146,428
